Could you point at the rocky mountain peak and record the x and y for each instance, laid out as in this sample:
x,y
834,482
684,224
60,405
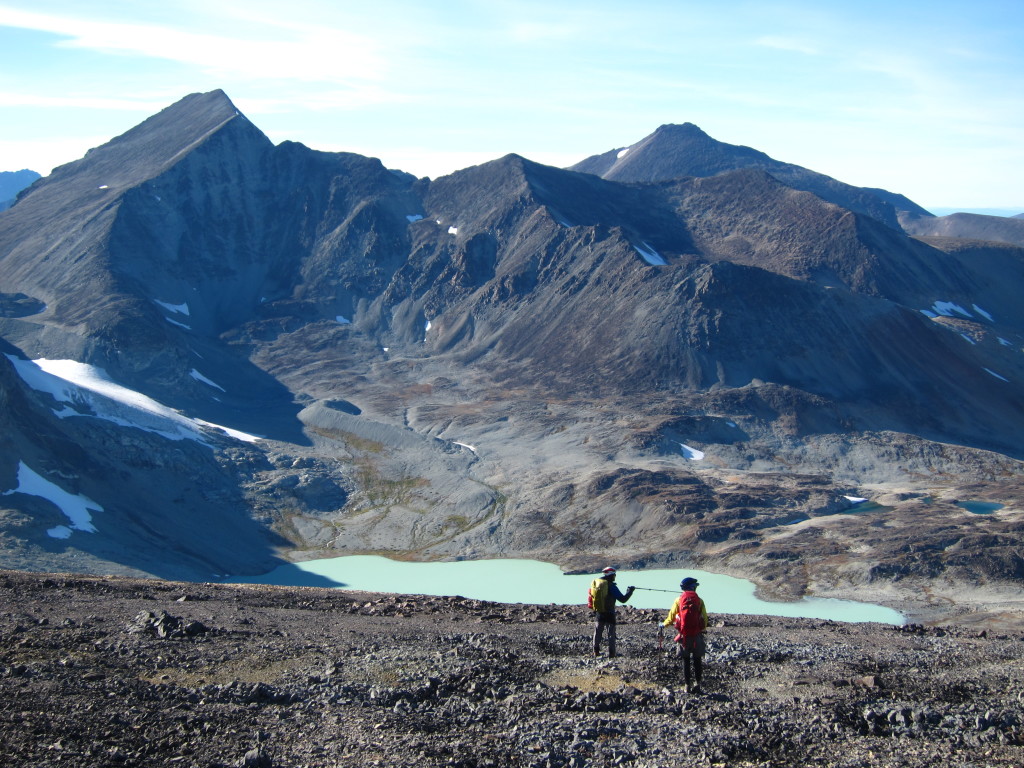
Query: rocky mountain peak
x,y
145,150
679,151
673,151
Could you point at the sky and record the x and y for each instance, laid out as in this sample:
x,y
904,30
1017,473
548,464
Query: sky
x,y
921,98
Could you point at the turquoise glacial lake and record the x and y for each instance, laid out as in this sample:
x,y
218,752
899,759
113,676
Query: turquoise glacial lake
x,y
531,581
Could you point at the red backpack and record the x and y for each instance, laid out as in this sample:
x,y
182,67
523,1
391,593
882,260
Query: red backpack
x,y
689,620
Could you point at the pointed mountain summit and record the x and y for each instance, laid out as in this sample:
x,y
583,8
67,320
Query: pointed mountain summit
x,y
677,151
142,152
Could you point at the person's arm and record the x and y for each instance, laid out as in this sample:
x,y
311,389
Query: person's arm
x,y
704,614
671,614
616,594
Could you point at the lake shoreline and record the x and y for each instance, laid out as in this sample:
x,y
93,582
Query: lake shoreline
x,y
518,580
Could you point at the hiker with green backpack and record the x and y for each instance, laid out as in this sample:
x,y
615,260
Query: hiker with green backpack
x,y
601,598
690,618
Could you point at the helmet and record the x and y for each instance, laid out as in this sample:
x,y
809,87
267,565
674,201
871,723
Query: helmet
x,y
609,571
688,583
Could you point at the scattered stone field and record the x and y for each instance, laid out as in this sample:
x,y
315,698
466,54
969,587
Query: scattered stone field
x,y
110,671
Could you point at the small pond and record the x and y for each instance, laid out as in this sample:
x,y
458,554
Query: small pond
x,y
980,507
531,581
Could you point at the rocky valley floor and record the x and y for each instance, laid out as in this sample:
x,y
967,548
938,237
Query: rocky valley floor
x,y
122,672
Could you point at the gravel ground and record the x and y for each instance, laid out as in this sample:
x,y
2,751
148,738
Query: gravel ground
x,y
121,672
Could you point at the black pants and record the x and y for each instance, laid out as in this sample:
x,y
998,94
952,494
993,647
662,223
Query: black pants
x,y
605,620
691,651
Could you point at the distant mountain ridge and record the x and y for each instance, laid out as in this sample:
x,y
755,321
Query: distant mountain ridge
x,y
12,182
677,151
970,226
510,360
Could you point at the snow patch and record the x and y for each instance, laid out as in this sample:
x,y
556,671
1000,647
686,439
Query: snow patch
x,y
982,312
947,308
343,320
103,186
411,217
180,325
854,499
650,255
993,373
181,309
466,446
426,327
1005,342
85,390
622,152
453,230
245,437
199,377
969,338
691,453
75,506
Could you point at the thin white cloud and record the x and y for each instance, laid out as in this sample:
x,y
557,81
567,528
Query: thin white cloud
x,y
307,53
10,99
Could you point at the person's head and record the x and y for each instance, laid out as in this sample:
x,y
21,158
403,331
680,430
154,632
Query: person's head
x,y
608,573
689,584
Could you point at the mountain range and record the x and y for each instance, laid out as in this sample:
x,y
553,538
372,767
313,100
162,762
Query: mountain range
x,y
233,353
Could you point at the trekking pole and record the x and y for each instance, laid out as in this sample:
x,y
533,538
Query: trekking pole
x,y
651,589
661,636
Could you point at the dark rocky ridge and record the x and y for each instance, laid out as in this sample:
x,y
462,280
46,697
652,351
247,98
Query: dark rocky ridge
x,y
516,377
105,672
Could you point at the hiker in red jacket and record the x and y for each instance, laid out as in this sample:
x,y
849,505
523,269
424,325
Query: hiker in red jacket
x,y
690,618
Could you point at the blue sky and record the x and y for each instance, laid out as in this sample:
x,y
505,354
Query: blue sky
x,y
921,98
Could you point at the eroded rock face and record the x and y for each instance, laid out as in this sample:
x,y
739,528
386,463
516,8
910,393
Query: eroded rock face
x,y
281,677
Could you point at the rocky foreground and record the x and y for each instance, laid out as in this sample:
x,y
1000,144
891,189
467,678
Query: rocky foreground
x,y
119,672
